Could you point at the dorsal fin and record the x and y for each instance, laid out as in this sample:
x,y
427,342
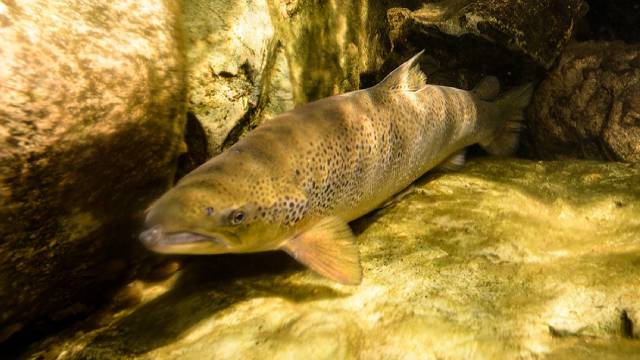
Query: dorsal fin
x,y
407,76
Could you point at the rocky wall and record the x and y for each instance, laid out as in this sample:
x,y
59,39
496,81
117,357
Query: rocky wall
x,y
91,124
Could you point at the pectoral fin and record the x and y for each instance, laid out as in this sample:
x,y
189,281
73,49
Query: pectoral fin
x,y
329,249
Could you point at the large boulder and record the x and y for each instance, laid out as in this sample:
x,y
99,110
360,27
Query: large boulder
x,y
507,259
249,60
91,122
589,105
467,39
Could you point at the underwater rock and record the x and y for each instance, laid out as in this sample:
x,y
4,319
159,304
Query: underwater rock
x,y
91,118
506,259
231,57
467,39
249,60
589,106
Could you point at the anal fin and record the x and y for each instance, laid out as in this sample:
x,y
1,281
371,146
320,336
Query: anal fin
x,y
329,249
454,162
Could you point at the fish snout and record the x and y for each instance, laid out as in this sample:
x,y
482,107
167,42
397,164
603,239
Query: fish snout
x,y
158,240
151,237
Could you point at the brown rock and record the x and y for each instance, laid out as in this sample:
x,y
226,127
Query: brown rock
x,y
589,106
251,59
508,259
91,117
467,39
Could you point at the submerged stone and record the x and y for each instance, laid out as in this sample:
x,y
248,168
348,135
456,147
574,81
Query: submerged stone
x,y
506,259
466,40
250,60
589,106
91,118
538,29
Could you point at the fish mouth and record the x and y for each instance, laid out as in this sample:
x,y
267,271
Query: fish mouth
x,y
183,242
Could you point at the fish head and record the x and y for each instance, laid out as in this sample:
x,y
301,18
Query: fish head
x,y
201,218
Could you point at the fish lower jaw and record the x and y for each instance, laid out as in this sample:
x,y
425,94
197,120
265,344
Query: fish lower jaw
x,y
162,242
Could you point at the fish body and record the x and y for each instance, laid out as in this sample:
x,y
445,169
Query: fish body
x,y
295,181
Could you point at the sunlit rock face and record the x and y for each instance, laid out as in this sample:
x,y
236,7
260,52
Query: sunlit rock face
x,y
507,259
250,60
589,106
91,118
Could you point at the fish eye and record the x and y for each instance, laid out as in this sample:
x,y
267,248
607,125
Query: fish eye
x,y
236,217
209,211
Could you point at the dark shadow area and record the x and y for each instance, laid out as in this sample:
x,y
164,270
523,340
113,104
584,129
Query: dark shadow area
x,y
207,285
35,332
196,140
611,20
462,68
626,325
361,224
55,271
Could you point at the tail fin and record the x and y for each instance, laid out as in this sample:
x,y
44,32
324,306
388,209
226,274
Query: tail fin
x,y
509,119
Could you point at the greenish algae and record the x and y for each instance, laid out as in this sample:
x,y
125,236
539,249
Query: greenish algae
x,y
507,259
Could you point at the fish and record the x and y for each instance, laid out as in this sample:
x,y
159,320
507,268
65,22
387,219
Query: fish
x,y
295,181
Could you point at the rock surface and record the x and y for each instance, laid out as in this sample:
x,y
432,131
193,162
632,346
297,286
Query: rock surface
x,y
507,259
91,117
589,106
249,60
461,32
232,55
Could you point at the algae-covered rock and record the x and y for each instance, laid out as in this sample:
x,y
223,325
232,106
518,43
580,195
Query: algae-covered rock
x,y
507,259
589,106
539,29
91,117
232,54
249,60
467,39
